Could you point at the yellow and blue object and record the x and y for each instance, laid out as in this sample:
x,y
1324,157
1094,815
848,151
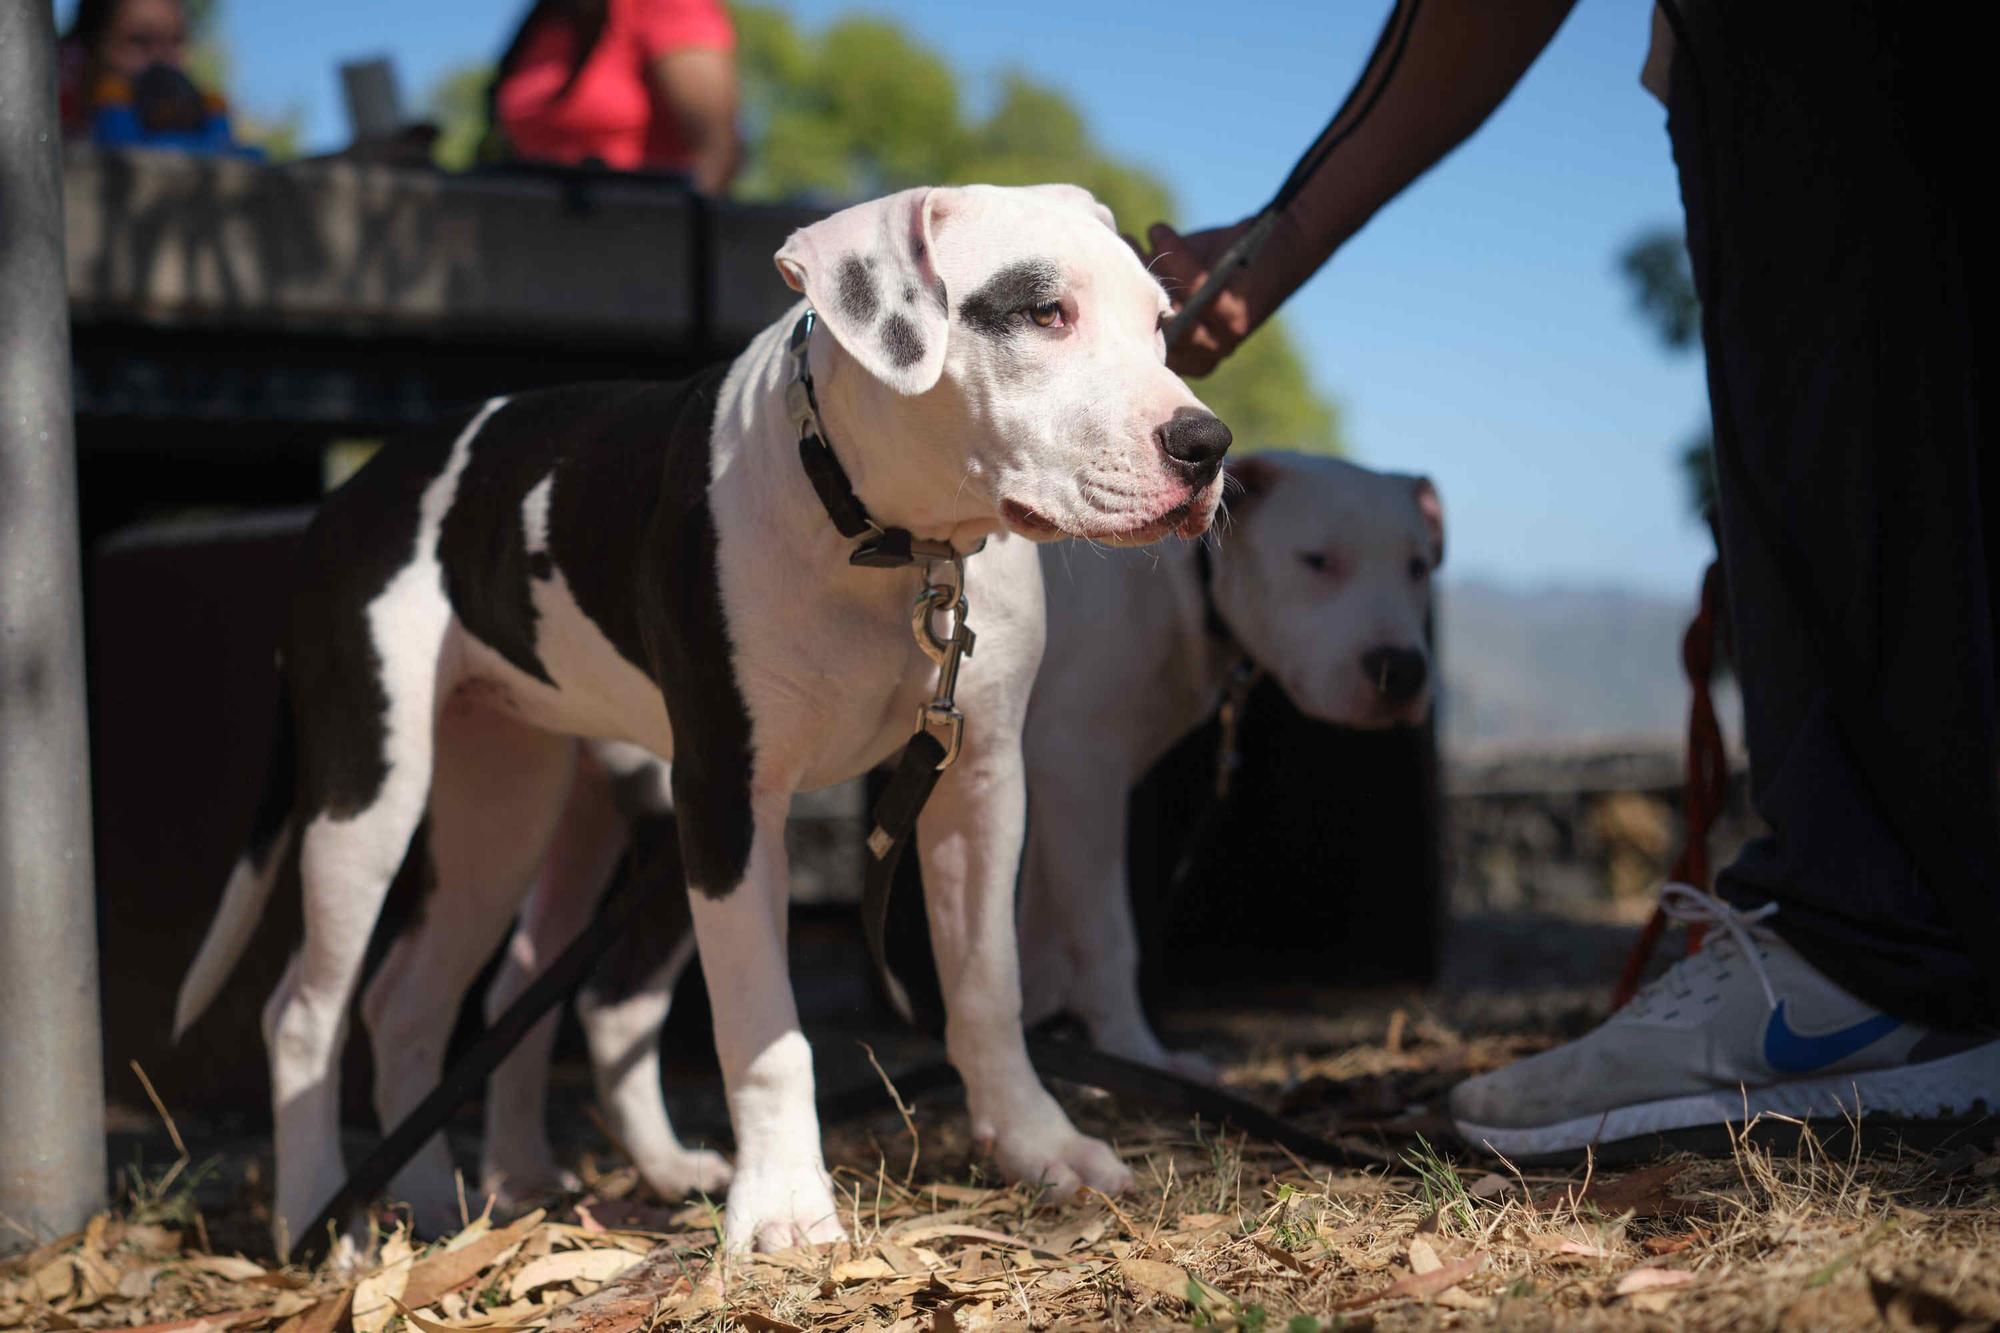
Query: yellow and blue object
x,y
163,109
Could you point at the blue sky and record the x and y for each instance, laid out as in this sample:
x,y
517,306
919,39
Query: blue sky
x,y
1476,331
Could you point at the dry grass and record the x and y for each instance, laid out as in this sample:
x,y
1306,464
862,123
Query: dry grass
x,y
1220,1233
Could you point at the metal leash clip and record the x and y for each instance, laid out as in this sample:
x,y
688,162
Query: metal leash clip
x,y
940,716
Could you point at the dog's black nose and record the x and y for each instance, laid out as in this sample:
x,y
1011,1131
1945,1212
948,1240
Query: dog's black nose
x,y
1196,440
1396,673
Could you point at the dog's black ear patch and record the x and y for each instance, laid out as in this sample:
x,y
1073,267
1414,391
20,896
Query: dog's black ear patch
x,y
540,567
905,345
858,298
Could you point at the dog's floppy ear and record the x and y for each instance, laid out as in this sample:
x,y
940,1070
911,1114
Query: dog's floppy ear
x,y
869,273
1431,507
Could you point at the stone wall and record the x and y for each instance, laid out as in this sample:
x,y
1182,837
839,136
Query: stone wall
x,y
1551,827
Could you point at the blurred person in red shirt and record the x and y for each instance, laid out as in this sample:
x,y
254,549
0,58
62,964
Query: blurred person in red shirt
x,y
634,84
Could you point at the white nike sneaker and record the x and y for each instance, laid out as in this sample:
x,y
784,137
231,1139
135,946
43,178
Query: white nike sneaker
x,y
1746,1026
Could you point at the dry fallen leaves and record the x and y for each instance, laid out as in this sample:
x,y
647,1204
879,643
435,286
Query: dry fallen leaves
x,y
1652,1289
571,1266
375,1295
1421,1286
324,1317
232,1267
428,1325
456,1265
1168,1280
1645,1192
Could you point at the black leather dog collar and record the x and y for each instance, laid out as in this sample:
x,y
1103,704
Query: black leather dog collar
x,y
880,548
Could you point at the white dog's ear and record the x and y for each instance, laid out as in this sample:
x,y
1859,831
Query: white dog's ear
x,y
869,273
1250,479
1078,197
1431,507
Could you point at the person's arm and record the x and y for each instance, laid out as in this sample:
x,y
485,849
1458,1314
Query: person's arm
x,y
700,85
1461,60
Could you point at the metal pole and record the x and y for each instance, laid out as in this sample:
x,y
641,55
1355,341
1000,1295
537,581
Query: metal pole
x,y
52,1167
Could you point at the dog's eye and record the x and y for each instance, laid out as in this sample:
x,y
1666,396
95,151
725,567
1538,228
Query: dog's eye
x,y
1313,560
1420,568
1048,314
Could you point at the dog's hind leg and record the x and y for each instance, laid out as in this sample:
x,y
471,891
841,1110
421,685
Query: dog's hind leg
x,y
1076,896
498,788
367,653
347,857
624,1008
618,798
516,1160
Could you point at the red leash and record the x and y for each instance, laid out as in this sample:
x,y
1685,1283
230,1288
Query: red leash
x,y
1707,781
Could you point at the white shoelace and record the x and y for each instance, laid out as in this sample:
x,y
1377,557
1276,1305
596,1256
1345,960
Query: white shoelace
x,y
1690,906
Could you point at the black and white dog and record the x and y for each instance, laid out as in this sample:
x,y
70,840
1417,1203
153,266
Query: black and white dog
x,y
652,565
1323,578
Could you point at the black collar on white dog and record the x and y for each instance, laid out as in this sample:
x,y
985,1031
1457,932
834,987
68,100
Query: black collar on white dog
x,y
881,548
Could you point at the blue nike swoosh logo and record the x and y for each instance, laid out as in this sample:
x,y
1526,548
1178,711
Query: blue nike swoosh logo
x,y
1790,1052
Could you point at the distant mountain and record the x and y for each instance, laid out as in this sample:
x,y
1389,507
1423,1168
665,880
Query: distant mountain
x,y
1562,664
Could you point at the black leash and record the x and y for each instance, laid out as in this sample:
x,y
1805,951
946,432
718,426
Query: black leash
x,y
1388,52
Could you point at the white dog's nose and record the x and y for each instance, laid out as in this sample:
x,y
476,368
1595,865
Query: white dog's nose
x,y
1195,440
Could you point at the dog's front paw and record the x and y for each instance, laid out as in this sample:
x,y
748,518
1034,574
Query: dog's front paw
x,y
779,1208
677,1175
1060,1158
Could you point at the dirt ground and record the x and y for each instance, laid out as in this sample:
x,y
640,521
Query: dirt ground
x,y
1779,1227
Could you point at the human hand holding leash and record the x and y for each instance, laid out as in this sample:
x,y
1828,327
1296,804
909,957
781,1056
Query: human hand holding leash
x,y
1248,297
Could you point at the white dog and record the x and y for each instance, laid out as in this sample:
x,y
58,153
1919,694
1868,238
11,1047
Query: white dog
x,y
668,566
1323,578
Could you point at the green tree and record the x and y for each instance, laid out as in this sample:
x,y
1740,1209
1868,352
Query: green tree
x,y
457,106
861,107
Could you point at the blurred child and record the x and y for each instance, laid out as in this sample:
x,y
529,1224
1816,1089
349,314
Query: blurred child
x,y
121,79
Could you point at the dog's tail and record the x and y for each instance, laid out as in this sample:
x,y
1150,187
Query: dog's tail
x,y
249,886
